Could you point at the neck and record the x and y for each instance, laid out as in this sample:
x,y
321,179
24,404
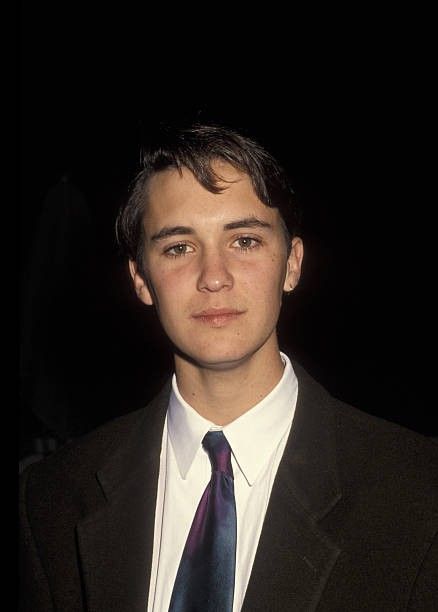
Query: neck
x,y
222,395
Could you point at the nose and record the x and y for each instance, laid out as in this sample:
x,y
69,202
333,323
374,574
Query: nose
x,y
214,274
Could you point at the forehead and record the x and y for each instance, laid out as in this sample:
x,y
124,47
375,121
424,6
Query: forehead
x,y
177,197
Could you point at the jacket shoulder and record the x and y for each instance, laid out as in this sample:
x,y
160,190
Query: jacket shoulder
x,y
70,472
86,452
384,438
371,450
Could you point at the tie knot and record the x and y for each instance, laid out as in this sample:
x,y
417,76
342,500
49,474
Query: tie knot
x,y
219,452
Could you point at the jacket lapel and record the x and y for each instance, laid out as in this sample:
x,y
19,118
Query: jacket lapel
x,y
294,557
116,541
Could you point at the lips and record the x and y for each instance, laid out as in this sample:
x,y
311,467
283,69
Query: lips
x,y
217,317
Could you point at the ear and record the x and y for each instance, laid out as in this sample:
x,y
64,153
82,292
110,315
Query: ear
x,y
294,262
140,285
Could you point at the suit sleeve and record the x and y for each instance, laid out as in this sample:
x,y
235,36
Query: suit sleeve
x,y
34,592
424,596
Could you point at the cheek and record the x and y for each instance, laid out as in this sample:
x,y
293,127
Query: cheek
x,y
264,280
169,289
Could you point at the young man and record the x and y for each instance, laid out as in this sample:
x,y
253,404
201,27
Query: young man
x,y
317,505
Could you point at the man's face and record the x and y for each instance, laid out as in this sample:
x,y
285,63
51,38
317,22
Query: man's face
x,y
216,266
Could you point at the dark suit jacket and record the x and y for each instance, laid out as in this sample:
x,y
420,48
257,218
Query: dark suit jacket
x,y
351,522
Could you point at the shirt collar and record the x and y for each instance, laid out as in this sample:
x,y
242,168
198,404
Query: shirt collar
x,y
253,437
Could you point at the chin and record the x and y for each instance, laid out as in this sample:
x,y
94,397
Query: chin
x,y
216,359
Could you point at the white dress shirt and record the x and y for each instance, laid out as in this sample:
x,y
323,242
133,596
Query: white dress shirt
x,y
257,439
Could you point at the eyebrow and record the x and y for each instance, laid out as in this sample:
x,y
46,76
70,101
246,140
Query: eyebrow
x,y
180,230
165,232
247,222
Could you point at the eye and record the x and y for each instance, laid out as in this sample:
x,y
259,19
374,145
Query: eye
x,y
178,250
245,243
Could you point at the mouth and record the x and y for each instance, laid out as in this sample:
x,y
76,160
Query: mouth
x,y
217,317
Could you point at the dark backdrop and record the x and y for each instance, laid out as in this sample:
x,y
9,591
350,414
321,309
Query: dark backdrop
x,y
352,128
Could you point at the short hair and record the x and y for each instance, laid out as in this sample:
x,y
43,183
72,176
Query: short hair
x,y
197,147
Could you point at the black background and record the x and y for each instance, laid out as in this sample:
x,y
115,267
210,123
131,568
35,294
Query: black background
x,y
348,111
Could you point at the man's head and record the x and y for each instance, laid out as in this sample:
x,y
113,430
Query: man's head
x,y
208,245
197,148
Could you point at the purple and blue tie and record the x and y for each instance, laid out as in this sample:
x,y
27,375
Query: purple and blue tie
x,y
205,578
